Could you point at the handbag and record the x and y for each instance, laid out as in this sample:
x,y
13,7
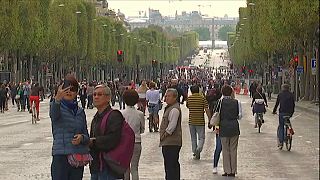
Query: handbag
x,y
79,160
215,119
17,97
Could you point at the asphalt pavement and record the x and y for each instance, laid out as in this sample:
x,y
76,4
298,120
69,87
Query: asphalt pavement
x,y
25,149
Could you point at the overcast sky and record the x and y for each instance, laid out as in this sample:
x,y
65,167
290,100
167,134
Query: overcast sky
x,y
216,8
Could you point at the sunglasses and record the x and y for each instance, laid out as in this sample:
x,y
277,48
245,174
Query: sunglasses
x,y
100,94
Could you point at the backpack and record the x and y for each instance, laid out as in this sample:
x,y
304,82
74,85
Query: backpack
x,y
119,158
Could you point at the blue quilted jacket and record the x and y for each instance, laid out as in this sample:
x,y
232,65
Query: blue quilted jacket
x,y
65,124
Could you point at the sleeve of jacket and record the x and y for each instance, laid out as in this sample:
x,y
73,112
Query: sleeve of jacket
x,y
277,104
85,133
112,135
55,110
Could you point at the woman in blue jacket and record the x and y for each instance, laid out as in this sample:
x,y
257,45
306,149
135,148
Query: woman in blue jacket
x,y
70,134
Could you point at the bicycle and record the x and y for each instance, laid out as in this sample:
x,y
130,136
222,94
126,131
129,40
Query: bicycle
x,y
288,133
260,120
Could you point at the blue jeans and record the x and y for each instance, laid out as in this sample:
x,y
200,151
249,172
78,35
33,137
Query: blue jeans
x,y
104,175
197,132
62,170
217,151
280,132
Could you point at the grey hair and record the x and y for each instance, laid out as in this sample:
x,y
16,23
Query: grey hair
x,y
173,91
106,88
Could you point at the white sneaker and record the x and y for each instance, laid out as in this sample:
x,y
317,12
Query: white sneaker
x,y
215,170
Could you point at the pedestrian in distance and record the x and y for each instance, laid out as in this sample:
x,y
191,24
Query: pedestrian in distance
x,y
171,135
3,96
136,121
269,90
153,98
70,135
142,103
197,105
229,131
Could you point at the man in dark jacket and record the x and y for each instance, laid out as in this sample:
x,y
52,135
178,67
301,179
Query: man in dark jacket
x,y
104,142
286,101
174,85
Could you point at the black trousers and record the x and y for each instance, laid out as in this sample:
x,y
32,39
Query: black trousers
x,y
62,170
171,162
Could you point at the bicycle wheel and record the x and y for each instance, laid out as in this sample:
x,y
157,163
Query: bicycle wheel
x,y
289,142
259,125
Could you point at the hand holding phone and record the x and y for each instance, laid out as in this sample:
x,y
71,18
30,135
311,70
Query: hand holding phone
x,y
77,139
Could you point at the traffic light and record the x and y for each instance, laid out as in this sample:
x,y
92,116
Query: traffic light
x,y
296,61
120,56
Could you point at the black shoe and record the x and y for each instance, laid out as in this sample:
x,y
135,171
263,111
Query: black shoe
x,y
225,174
262,121
197,155
232,175
150,130
156,130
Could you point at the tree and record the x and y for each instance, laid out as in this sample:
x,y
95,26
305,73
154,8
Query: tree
x,y
223,32
204,33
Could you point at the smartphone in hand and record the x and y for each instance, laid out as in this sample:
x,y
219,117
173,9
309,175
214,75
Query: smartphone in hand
x,y
66,84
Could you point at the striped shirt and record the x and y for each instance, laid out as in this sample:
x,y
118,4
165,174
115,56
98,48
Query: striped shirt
x,y
196,104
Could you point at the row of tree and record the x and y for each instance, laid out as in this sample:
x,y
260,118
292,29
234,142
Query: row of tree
x,y
271,33
67,35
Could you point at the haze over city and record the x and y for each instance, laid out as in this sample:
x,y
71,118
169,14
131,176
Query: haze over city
x,y
169,8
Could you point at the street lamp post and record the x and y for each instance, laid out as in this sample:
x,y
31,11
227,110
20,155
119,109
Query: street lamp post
x,y
137,63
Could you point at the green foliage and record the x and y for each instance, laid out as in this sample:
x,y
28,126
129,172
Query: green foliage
x,y
223,32
204,33
47,29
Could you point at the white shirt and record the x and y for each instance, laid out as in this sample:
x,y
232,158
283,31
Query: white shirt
x,y
173,120
136,121
142,95
153,96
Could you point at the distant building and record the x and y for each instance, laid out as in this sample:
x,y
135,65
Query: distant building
x,y
184,22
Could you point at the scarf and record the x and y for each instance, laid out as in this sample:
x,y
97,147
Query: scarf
x,y
73,105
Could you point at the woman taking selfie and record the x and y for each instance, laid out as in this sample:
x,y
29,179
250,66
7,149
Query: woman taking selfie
x,y
70,135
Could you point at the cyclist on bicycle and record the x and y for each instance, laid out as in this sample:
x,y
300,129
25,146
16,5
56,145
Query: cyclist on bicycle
x,y
287,105
153,99
259,104
35,97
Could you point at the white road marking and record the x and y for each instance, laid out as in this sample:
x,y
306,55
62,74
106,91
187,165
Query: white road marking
x,y
27,144
300,136
49,138
309,142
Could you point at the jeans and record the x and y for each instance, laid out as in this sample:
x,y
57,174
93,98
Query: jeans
x,y
171,162
217,151
280,132
134,165
26,102
104,175
121,102
62,170
197,132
